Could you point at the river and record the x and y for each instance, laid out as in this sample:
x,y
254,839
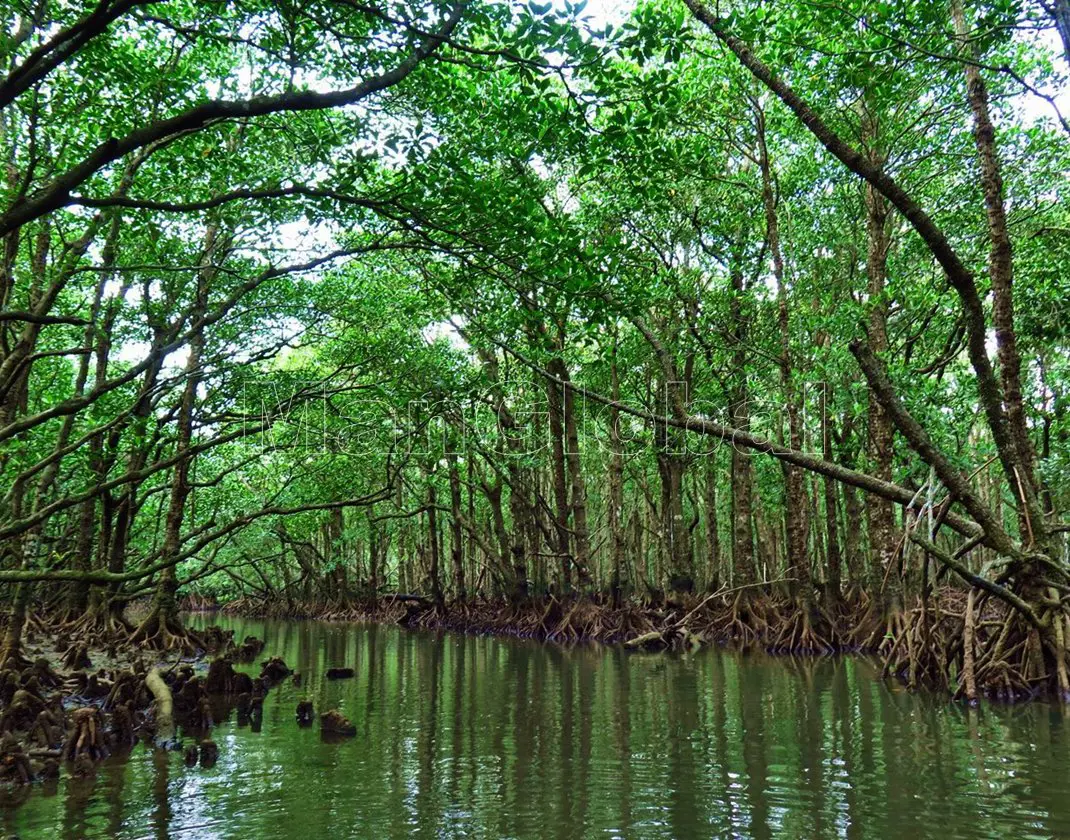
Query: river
x,y
459,736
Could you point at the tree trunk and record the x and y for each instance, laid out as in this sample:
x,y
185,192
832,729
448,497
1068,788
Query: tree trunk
x,y
581,539
456,534
432,534
880,514
1001,275
162,627
674,531
555,403
615,496
713,537
798,565
743,568
834,559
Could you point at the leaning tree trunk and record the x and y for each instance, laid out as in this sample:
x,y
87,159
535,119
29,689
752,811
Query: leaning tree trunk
x,y
162,628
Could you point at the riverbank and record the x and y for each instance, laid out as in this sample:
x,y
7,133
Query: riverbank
x,y
72,702
477,736
920,644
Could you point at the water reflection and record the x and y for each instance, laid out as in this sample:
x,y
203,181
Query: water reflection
x,y
471,737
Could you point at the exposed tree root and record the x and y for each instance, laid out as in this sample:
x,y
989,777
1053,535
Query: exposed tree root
x,y
123,733
918,651
333,722
923,643
746,621
162,631
1014,662
14,762
77,657
973,646
22,711
806,630
48,729
102,625
12,658
223,679
86,735
879,628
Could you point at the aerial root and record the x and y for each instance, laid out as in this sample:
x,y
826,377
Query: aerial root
x,y
86,735
943,642
799,634
162,632
12,659
973,646
104,626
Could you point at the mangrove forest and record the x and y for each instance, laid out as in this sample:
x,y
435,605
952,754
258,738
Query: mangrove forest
x,y
643,419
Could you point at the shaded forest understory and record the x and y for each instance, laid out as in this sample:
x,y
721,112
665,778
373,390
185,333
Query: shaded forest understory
x,y
692,325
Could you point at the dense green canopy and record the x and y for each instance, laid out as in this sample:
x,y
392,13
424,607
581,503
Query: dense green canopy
x,y
318,302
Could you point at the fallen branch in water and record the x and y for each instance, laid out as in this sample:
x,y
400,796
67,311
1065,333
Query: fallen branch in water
x,y
165,717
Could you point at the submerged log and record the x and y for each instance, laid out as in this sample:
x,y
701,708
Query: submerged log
x,y
672,637
655,638
165,714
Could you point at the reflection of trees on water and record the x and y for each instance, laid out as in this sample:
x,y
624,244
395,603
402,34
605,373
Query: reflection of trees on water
x,y
161,812
462,736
